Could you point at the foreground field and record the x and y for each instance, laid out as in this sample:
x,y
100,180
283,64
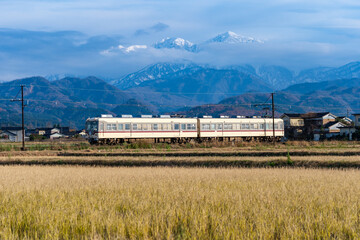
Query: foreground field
x,y
176,203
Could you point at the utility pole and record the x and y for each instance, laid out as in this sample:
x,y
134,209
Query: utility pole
x,y
22,115
273,115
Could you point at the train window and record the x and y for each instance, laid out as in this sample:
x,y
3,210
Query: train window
x,y
127,126
183,126
243,126
252,126
205,126
144,126
165,126
94,126
213,126
255,126
101,126
281,126
120,126
262,126
247,126
113,127
108,126
228,126
135,127
155,126
191,126
220,126
176,126
237,127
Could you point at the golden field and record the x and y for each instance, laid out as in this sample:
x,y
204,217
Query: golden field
x,y
68,202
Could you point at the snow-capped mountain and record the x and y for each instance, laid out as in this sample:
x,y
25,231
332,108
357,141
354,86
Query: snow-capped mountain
x,y
232,38
152,72
176,43
182,44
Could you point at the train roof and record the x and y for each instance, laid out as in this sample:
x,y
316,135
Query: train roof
x,y
105,116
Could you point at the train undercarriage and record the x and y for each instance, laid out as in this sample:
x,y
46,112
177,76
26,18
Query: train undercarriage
x,y
116,141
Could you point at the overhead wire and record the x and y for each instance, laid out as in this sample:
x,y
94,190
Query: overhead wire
x,y
127,91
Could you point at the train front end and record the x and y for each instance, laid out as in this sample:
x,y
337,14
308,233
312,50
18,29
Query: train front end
x,y
92,130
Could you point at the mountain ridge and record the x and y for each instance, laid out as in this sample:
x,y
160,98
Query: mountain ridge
x,y
64,101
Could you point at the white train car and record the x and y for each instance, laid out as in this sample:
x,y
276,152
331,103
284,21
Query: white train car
x,y
117,130
110,130
240,127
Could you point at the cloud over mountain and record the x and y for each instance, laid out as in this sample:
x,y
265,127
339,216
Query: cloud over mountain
x,y
28,53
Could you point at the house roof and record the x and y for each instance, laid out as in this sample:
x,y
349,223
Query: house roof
x,y
308,115
349,126
314,114
293,115
330,124
46,129
8,133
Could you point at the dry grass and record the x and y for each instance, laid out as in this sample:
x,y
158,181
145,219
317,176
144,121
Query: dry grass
x,y
341,162
179,159
178,203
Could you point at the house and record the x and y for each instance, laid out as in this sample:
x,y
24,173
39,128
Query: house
x,y
329,130
357,119
303,125
6,136
293,125
14,134
352,129
347,131
313,121
56,136
292,119
46,131
82,133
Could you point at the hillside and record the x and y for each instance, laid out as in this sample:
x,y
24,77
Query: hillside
x,y
324,97
325,85
189,88
68,101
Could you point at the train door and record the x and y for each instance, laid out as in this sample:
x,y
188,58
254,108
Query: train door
x,y
265,127
177,129
130,128
198,127
220,129
101,129
182,128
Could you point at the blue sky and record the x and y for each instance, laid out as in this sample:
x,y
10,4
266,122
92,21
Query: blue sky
x,y
68,36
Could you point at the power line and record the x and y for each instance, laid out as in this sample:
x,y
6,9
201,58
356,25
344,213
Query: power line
x,y
133,92
250,105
